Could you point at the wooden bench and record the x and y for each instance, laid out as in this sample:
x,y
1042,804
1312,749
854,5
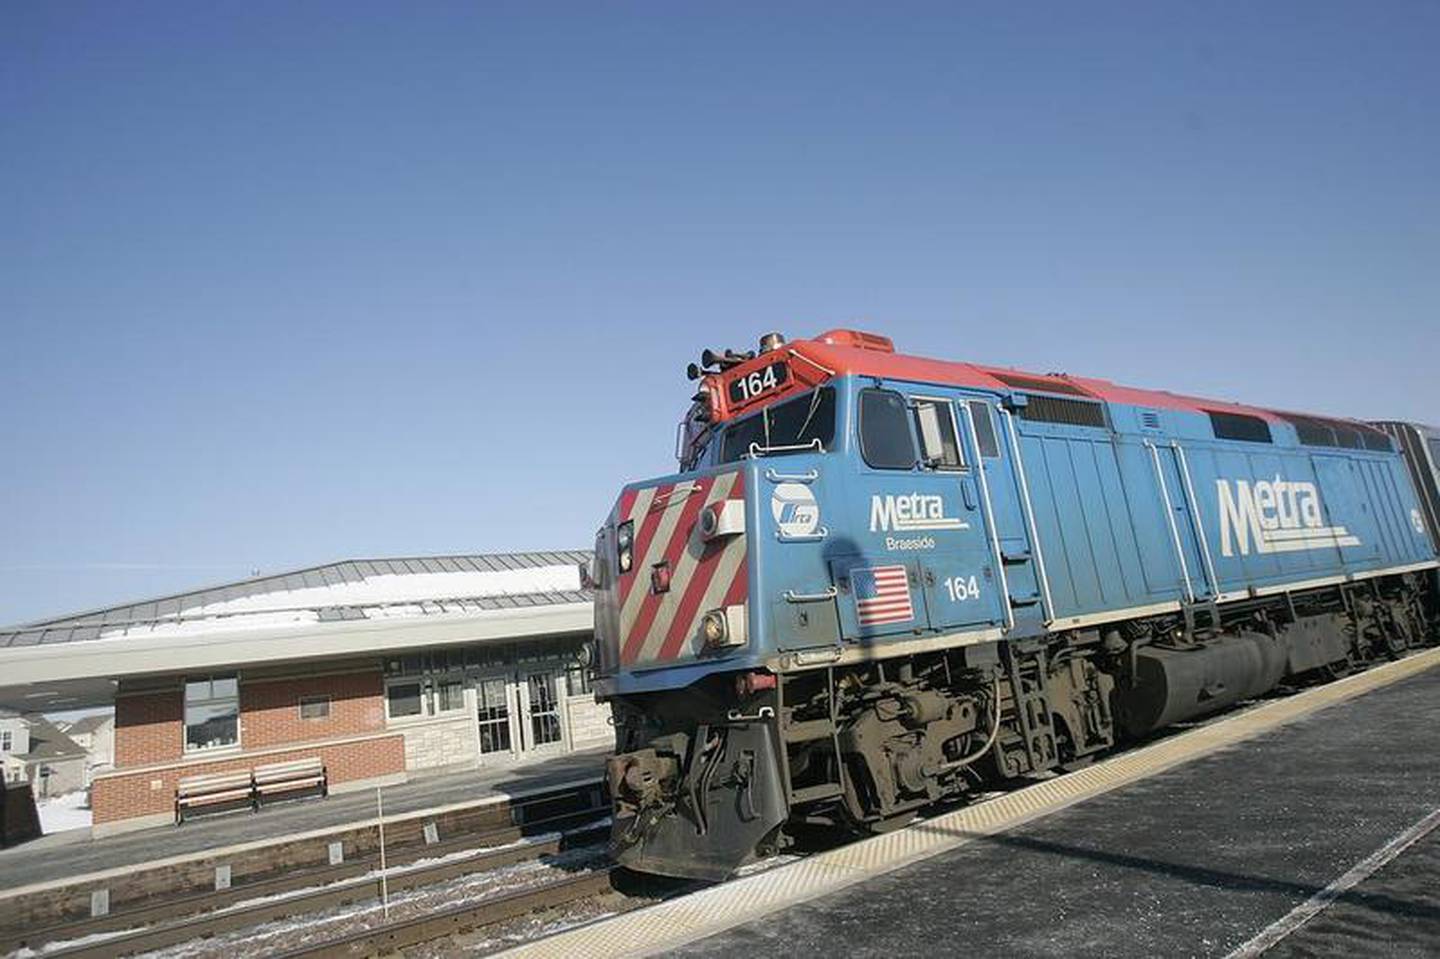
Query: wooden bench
x,y
213,789
282,778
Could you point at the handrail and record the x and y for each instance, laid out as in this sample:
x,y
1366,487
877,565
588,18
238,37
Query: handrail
x,y
793,597
990,517
1170,515
774,476
1195,512
757,450
815,537
1030,515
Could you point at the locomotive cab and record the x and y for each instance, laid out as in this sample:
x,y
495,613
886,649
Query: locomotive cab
x,y
859,505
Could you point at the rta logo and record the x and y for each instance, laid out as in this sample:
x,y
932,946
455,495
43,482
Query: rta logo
x,y
795,510
1276,516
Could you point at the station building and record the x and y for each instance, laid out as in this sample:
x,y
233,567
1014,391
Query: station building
x,y
383,669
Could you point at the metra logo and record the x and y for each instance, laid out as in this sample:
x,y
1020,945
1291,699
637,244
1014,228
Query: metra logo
x,y
1276,516
911,511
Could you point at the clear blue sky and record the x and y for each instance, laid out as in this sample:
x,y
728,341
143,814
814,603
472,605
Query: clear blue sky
x,y
285,283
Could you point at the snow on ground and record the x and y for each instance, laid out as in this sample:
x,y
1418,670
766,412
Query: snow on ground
x,y
282,934
59,813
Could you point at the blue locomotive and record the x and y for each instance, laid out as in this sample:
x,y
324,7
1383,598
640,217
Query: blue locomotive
x,y
881,580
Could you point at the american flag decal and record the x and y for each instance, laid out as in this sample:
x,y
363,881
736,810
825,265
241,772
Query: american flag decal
x,y
882,595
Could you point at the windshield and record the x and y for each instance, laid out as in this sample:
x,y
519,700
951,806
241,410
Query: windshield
x,y
797,423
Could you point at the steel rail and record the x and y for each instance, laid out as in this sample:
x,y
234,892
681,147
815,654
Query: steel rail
x,y
404,933
337,885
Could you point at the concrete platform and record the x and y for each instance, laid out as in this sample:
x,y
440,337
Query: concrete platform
x,y
62,857
1201,844
1195,861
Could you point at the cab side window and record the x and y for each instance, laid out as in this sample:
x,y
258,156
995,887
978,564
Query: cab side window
x,y
984,429
935,425
885,439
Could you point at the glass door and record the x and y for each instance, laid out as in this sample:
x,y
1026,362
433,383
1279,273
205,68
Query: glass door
x,y
543,729
492,699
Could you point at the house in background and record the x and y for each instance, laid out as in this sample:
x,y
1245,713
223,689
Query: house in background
x,y
14,743
96,735
54,763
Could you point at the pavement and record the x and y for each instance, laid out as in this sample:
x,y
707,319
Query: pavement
x,y
66,854
1194,861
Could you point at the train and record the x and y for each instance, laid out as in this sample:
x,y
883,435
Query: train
x,y
877,582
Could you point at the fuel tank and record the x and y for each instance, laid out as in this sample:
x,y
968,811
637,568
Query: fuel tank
x,y
1171,684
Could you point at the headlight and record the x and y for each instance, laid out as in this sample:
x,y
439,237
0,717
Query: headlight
x,y
724,628
624,545
712,627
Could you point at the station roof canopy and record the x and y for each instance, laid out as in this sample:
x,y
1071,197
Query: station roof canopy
x,y
364,606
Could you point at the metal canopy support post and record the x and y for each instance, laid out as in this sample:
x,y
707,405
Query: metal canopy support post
x,y
384,874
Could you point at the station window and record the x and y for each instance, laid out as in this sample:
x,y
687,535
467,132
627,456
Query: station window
x,y
7,741
212,712
449,695
935,425
885,439
411,698
403,700
984,428
314,707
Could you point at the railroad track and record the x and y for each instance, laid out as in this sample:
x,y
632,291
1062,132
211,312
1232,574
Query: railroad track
x,y
311,890
392,936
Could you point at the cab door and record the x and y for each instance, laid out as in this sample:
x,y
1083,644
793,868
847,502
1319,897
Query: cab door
x,y
959,575
920,557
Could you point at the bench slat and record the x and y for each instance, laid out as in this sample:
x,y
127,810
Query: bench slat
x,y
292,784
214,797
197,785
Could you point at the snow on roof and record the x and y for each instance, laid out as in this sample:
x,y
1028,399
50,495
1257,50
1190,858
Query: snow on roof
x,y
337,592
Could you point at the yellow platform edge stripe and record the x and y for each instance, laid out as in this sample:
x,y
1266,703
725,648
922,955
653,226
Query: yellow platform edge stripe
x,y
671,924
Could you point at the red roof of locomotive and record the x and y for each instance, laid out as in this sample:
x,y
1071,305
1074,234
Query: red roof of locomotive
x,y
840,352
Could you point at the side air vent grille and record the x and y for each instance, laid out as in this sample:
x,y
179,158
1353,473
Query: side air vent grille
x,y
1045,384
1149,419
1319,431
1059,409
1238,426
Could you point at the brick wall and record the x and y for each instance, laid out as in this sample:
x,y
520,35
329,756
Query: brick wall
x,y
150,732
122,795
149,727
270,709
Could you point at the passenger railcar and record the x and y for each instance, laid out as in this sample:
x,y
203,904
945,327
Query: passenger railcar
x,y
881,580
